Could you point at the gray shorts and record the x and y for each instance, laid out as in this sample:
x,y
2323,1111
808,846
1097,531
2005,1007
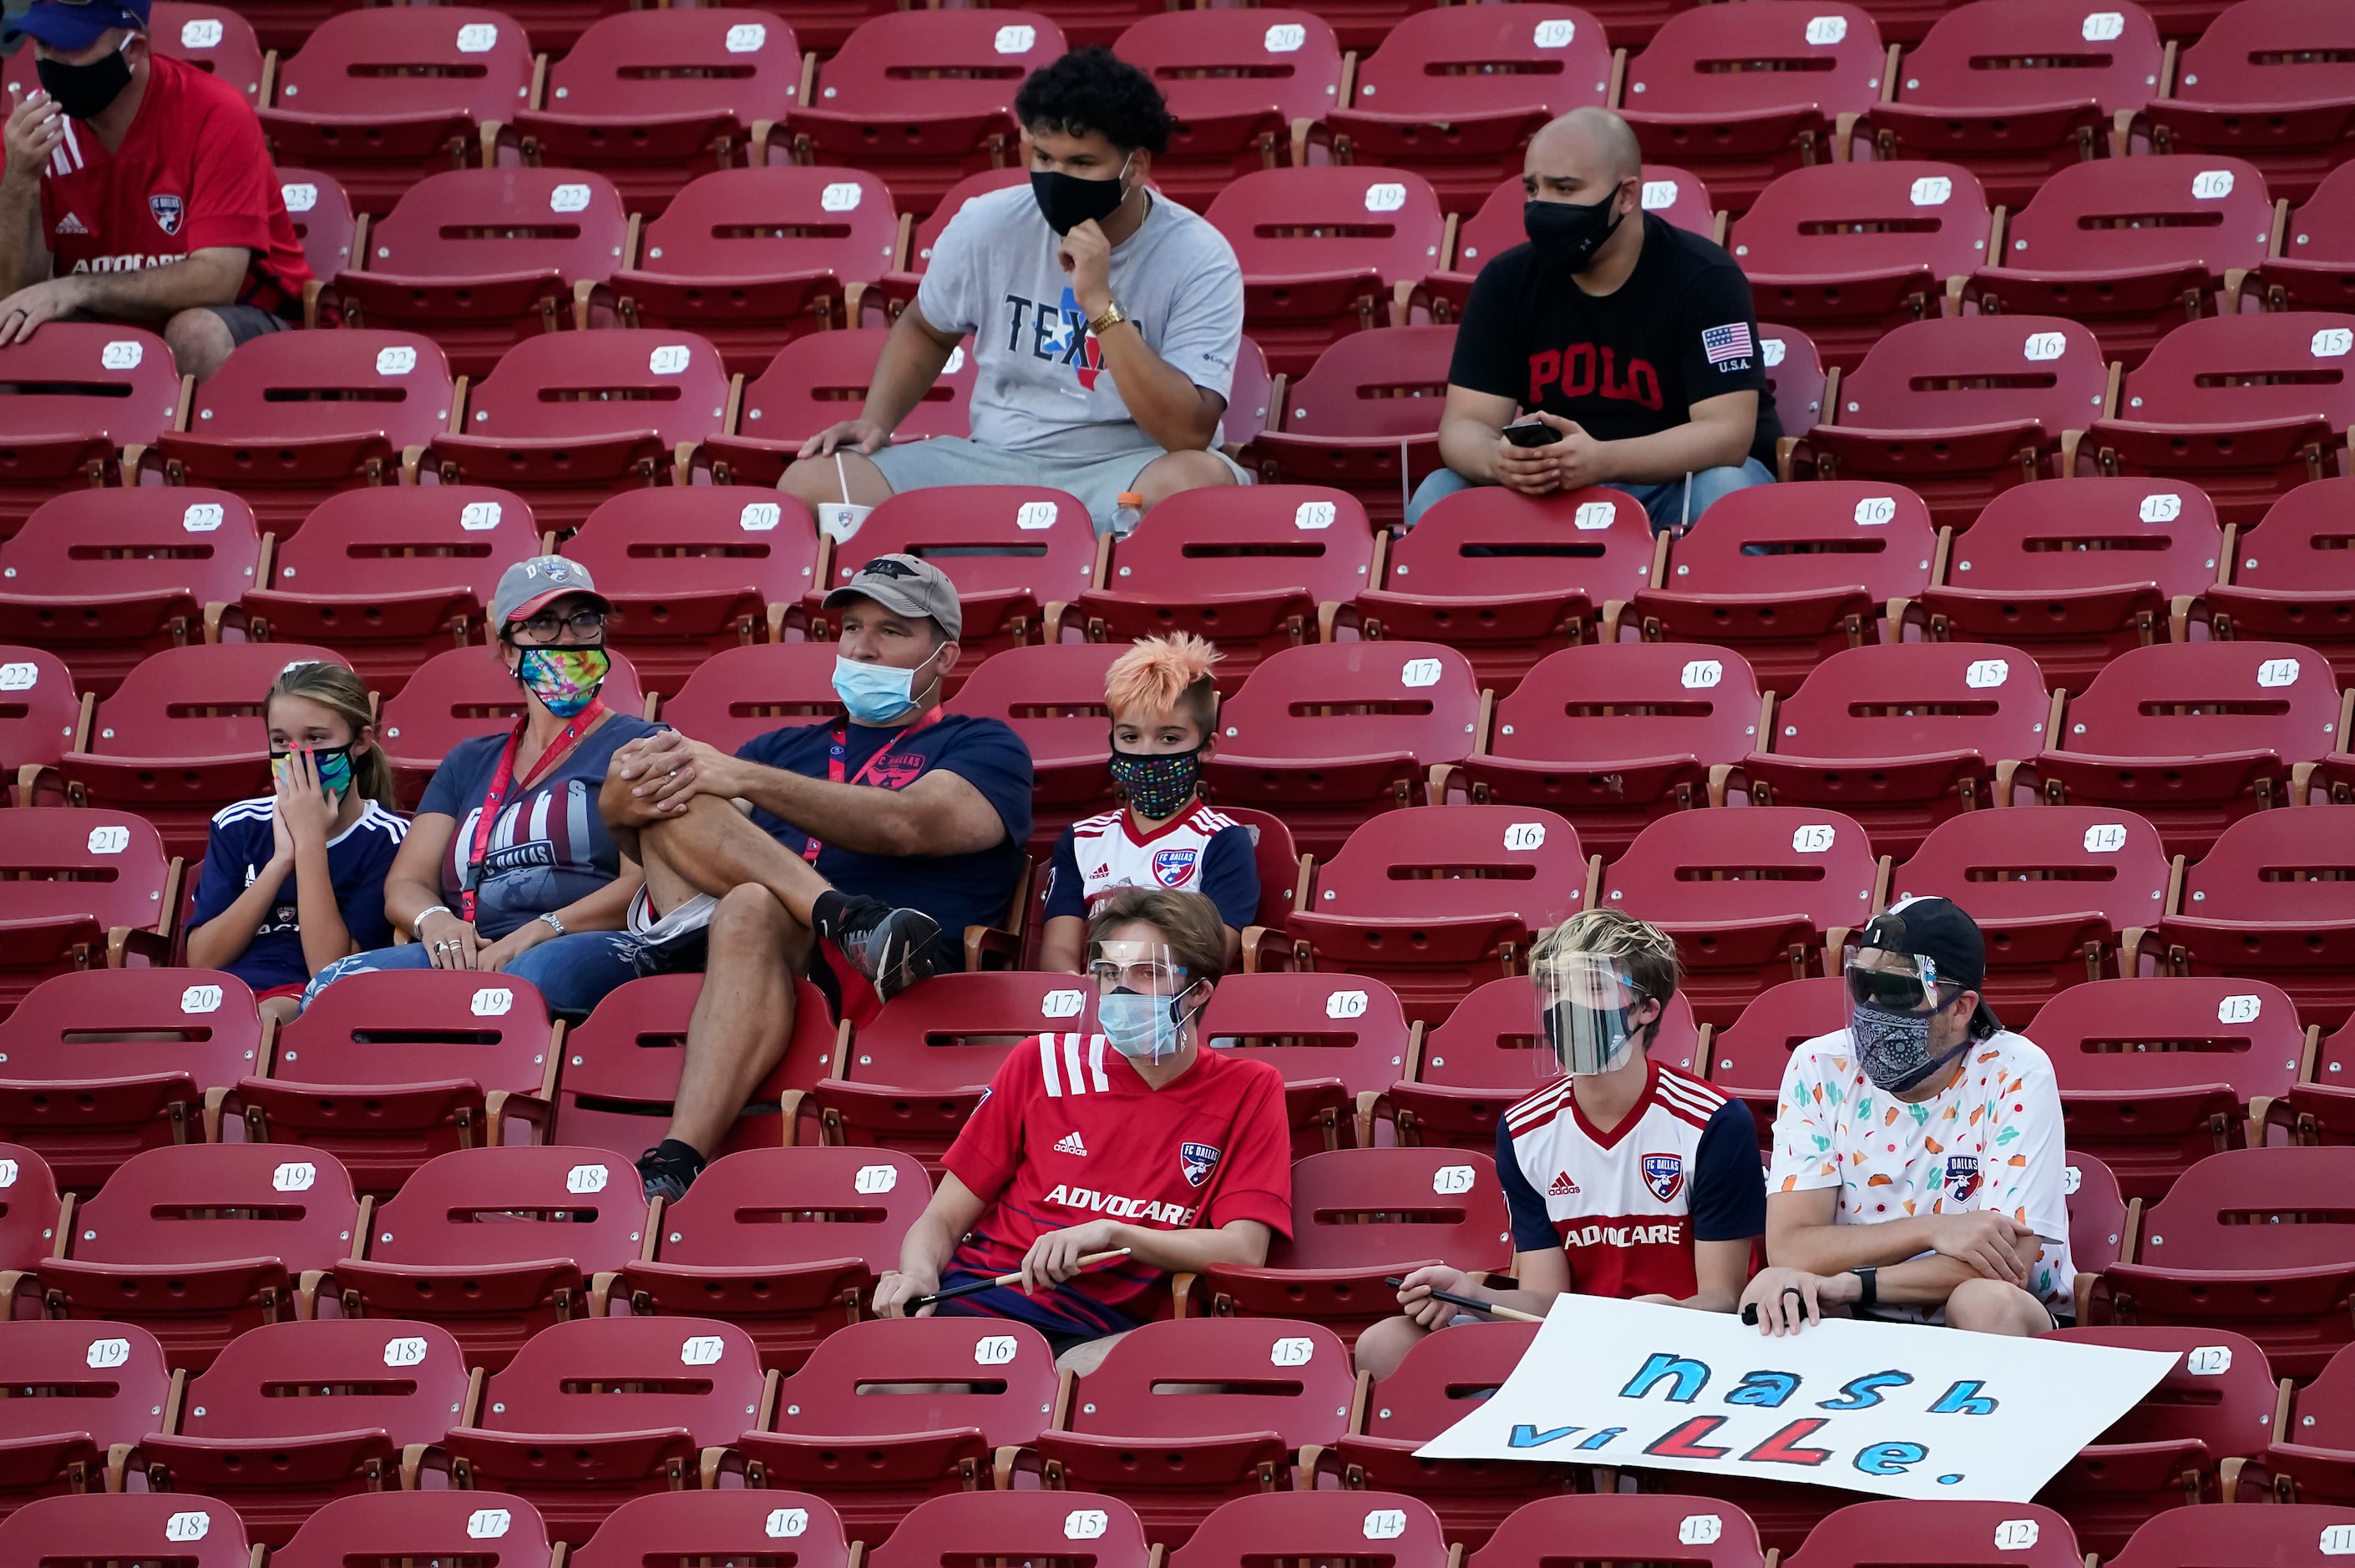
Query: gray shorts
x,y
246,322
954,460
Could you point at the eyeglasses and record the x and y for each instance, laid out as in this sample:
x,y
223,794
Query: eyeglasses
x,y
1895,990
1144,976
581,623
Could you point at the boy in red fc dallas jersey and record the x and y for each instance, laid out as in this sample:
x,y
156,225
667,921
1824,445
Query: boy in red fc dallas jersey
x,y
1134,1136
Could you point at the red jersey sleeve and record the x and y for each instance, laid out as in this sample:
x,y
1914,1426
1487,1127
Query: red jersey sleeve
x,y
989,1146
232,182
1257,1181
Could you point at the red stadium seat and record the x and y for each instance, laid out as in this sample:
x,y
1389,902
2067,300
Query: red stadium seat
x,y
661,1398
80,401
292,417
2270,901
697,570
323,220
563,1217
1053,697
951,1399
1253,569
819,380
2207,1538
1251,399
181,736
917,240
1959,408
1360,1215
214,38
753,259
722,1251
276,1460
102,1064
1626,1525
2159,1073
2245,408
793,1529
1742,96
463,693
197,1241
1244,86
2323,1111
942,1531
2193,735
1433,901
83,1396
2286,581
481,259
39,718
1473,1068
1904,737
1749,1056
1795,378
2268,81
2078,571
1493,573
1339,1040
740,693
84,891
29,1223
622,1066
1497,226
418,1526
1752,897
1909,1532
2317,245
392,574
380,96
2132,246
1849,250
2216,1254
568,418
1321,1527
2062,895
191,1533
1430,97
558,26
1619,735
107,577
652,99
923,100
2185,1441
1378,716
2099,1224
1016,553
1327,251
1365,418
2014,128
1281,1386
2308,1461
1787,575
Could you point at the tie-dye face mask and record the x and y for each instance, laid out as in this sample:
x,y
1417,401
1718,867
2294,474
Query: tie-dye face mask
x,y
565,680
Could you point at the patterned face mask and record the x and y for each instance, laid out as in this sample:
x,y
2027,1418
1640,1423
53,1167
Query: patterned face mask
x,y
1894,1048
1157,783
565,680
334,763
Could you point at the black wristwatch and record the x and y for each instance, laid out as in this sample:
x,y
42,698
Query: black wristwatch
x,y
1870,1278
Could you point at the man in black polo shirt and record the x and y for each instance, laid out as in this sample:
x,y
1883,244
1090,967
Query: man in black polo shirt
x,y
1631,340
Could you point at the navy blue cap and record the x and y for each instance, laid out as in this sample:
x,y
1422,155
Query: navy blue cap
x,y
67,27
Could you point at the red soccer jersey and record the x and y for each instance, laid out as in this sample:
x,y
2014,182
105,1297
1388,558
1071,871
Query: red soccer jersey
x,y
193,173
1069,1133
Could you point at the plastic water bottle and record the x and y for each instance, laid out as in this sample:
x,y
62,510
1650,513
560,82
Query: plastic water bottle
x,y
1127,514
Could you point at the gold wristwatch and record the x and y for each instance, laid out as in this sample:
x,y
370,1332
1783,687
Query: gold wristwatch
x,y
1113,316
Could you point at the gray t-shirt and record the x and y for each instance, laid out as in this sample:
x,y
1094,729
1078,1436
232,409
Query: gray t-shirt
x,y
994,274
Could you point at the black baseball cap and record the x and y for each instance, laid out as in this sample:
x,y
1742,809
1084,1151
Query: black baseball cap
x,y
1937,929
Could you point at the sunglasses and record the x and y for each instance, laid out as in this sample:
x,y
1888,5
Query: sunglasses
x,y
1895,990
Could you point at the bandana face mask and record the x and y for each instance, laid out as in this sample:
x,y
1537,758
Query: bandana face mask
x,y
565,680
1893,1037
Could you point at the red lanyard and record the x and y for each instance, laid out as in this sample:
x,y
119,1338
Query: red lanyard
x,y
502,778
836,763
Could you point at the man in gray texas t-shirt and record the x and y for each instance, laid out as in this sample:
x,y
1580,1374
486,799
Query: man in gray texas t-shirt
x,y
1105,321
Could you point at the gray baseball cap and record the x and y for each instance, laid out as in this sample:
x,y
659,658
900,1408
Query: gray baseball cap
x,y
905,585
527,586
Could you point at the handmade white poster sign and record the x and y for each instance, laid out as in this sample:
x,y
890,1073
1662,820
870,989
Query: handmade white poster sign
x,y
1897,1408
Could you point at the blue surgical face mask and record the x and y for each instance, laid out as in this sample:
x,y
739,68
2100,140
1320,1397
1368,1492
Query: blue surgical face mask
x,y
872,693
1140,1027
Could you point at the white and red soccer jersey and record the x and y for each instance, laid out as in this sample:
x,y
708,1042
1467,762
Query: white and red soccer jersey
x,y
1069,1133
193,173
1626,1205
1199,851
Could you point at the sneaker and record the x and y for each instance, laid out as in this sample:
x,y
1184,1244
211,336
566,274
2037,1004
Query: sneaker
x,y
664,1177
889,949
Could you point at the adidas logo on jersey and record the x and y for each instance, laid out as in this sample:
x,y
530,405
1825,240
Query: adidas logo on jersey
x,y
1563,1187
69,224
1070,1144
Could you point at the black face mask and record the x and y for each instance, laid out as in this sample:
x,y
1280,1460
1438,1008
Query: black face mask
x,y
84,91
1157,783
1068,201
1564,236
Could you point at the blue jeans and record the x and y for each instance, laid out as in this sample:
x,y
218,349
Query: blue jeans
x,y
1665,503
572,973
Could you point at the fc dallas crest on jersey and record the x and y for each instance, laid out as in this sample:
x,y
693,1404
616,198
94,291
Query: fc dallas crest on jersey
x,y
1664,1173
1198,1160
1174,867
167,210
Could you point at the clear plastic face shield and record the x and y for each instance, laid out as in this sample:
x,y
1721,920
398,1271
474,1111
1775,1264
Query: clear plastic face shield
x,y
1145,1002
1586,1008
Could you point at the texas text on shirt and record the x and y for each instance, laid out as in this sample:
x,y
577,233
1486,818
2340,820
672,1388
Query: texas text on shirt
x,y
193,173
1991,1139
1069,1133
1200,852
241,844
1628,1205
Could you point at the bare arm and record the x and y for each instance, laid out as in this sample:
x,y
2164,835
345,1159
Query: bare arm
x,y
208,277
414,884
326,938
929,1245
1538,1279
1468,424
913,357
1801,1234
223,939
1717,436
939,814
1162,400
1060,948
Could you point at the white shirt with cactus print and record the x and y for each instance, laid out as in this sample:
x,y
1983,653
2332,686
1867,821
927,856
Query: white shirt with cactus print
x,y
1992,1139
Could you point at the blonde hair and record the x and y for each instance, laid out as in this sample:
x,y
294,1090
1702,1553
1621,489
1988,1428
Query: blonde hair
x,y
1649,953
342,693
1166,676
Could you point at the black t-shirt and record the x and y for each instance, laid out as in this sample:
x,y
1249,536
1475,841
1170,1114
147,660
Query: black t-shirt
x,y
1679,331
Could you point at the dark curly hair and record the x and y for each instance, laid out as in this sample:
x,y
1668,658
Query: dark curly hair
x,y
1094,90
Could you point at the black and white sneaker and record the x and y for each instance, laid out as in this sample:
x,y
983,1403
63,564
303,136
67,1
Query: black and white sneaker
x,y
667,1176
889,949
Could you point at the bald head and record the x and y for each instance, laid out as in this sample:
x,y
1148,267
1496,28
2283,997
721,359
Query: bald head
x,y
1583,154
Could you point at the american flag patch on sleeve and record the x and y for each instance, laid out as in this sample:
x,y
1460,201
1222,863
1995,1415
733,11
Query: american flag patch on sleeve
x,y
1729,342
